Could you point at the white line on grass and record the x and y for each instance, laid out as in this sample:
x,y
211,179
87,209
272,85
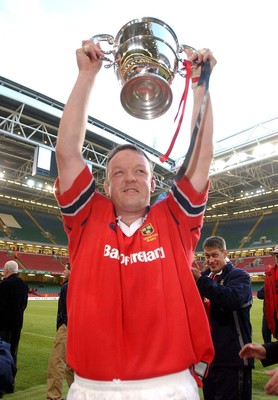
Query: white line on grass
x,y
36,334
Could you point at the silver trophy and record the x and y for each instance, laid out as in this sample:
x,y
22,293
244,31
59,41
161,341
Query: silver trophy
x,y
146,57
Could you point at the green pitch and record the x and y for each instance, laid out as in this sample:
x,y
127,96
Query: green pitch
x,y
38,335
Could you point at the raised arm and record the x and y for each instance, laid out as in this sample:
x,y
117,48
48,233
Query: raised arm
x,y
72,127
200,161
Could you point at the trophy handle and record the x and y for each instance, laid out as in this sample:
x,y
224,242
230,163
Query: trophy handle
x,y
110,40
186,47
181,49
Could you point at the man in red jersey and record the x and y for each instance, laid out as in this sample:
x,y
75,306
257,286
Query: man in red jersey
x,y
271,295
136,323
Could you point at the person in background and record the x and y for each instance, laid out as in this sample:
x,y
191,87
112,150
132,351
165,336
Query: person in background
x,y
7,368
271,295
137,327
58,368
266,332
268,354
227,294
13,302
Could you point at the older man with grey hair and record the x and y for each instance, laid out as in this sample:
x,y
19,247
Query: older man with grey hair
x,y
13,302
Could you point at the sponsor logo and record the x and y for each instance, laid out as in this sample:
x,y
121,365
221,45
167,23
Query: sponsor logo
x,y
141,256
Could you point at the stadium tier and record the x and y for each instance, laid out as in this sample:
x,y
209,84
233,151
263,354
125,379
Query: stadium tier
x,y
34,263
244,233
31,226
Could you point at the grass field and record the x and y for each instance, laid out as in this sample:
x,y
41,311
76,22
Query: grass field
x,y
37,338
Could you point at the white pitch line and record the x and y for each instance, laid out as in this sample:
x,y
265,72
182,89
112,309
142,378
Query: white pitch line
x,y
36,334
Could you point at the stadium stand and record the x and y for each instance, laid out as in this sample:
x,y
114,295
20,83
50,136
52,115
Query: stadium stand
x,y
27,229
253,264
266,232
40,262
35,262
232,230
235,231
51,227
33,226
43,290
4,257
243,233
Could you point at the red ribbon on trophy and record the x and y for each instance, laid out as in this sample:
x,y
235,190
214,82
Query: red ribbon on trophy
x,y
188,69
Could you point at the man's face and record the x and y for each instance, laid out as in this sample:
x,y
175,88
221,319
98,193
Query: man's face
x,y
66,272
129,182
215,258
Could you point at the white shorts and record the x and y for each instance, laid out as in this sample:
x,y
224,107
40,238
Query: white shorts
x,y
179,386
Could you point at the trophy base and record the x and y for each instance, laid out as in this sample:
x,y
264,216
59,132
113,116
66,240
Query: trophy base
x,y
146,97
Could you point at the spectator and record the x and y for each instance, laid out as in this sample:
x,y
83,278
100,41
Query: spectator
x,y
13,302
268,354
271,295
227,292
57,365
136,324
266,332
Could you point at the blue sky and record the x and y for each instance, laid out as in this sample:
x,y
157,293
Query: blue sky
x,y
39,39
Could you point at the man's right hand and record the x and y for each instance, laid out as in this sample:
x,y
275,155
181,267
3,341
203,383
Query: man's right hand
x,y
89,57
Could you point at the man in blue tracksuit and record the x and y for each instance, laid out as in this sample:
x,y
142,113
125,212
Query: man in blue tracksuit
x,y
227,294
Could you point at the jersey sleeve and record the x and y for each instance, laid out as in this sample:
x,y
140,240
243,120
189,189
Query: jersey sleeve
x,y
189,201
75,202
188,207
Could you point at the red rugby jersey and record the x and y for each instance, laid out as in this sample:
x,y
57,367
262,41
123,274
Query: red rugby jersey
x,y
134,311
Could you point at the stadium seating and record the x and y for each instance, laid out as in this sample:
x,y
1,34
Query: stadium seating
x,y
263,232
4,257
51,225
266,232
35,262
253,264
43,290
40,262
35,226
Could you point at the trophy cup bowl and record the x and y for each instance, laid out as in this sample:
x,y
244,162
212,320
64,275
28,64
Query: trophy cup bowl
x,y
146,57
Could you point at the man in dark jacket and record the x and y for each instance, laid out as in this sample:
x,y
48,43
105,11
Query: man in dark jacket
x,y
13,302
227,293
57,365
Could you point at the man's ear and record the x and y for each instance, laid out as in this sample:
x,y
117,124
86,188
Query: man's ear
x,y
106,188
153,184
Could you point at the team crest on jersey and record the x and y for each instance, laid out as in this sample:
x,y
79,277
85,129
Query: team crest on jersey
x,y
147,230
149,233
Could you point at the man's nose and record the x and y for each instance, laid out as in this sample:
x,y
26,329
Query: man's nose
x,y
130,177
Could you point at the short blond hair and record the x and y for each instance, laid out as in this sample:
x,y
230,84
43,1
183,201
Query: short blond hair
x,y
215,242
128,146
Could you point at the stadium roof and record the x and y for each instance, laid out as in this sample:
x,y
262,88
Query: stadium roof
x,y
244,173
